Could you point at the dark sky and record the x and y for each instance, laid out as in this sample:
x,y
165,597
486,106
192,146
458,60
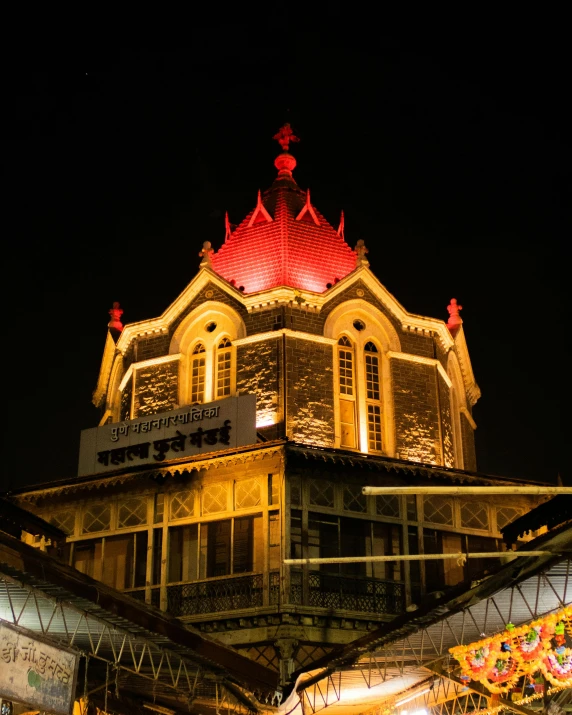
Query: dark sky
x,y
448,151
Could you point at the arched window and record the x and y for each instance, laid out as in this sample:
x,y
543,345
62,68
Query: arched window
x,y
373,397
347,392
205,339
198,371
363,341
223,368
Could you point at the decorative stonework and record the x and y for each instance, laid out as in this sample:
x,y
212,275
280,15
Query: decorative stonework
x,y
206,251
116,312
361,251
455,319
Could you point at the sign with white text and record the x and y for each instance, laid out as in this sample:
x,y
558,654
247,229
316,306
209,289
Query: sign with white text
x,y
34,673
158,439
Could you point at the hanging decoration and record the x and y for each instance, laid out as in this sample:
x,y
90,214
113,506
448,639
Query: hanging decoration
x,y
498,662
518,701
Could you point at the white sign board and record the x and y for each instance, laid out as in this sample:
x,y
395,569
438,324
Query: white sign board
x,y
34,673
158,439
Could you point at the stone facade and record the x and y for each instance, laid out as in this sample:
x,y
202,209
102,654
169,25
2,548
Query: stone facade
x,y
422,417
310,392
156,389
258,372
416,412
447,438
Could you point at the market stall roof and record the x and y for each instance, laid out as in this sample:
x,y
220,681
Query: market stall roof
x,y
44,596
409,652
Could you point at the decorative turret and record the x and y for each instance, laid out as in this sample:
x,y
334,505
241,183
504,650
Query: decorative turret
x,y
284,240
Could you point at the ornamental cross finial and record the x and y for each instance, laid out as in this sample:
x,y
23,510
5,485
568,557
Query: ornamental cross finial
x,y
455,319
285,136
116,312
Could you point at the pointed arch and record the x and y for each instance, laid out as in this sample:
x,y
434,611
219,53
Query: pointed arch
x,y
364,420
210,325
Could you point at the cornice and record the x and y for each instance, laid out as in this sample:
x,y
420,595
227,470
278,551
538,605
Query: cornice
x,y
240,455
422,361
299,334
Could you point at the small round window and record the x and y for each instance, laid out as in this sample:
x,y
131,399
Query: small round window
x,y
210,327
359,324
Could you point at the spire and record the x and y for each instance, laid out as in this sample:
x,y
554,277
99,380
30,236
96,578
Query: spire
x,y
116,312
285,162
455,321
226,227
341,226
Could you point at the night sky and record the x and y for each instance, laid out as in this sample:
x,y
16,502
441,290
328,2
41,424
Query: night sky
x,y
449,154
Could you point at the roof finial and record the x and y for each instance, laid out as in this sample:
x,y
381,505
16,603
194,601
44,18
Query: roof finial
x,y
205,252
455,320
285,163
360,251
116,312
285,136
226,227
341,226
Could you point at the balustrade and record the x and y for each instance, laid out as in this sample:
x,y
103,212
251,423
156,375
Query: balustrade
x,y
320,590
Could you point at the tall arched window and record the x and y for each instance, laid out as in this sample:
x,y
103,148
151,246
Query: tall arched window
x,y
363,341
373,397
198,373
223,368
347,392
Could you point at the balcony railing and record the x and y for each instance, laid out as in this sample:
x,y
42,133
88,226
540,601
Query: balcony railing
x,y
347,593
213,596
329,591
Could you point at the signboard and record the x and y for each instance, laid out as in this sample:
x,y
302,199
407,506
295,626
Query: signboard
x,y
158,439
34,673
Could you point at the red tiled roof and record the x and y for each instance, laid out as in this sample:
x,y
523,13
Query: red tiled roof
x,y
284,251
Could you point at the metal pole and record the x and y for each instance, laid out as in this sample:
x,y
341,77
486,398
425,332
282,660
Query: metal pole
x,y
461,556
450,491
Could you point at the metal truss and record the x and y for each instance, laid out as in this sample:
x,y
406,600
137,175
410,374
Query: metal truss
x,y
538,595
423,655
131,658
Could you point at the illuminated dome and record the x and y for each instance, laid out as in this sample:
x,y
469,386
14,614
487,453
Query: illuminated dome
x,y
284,240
